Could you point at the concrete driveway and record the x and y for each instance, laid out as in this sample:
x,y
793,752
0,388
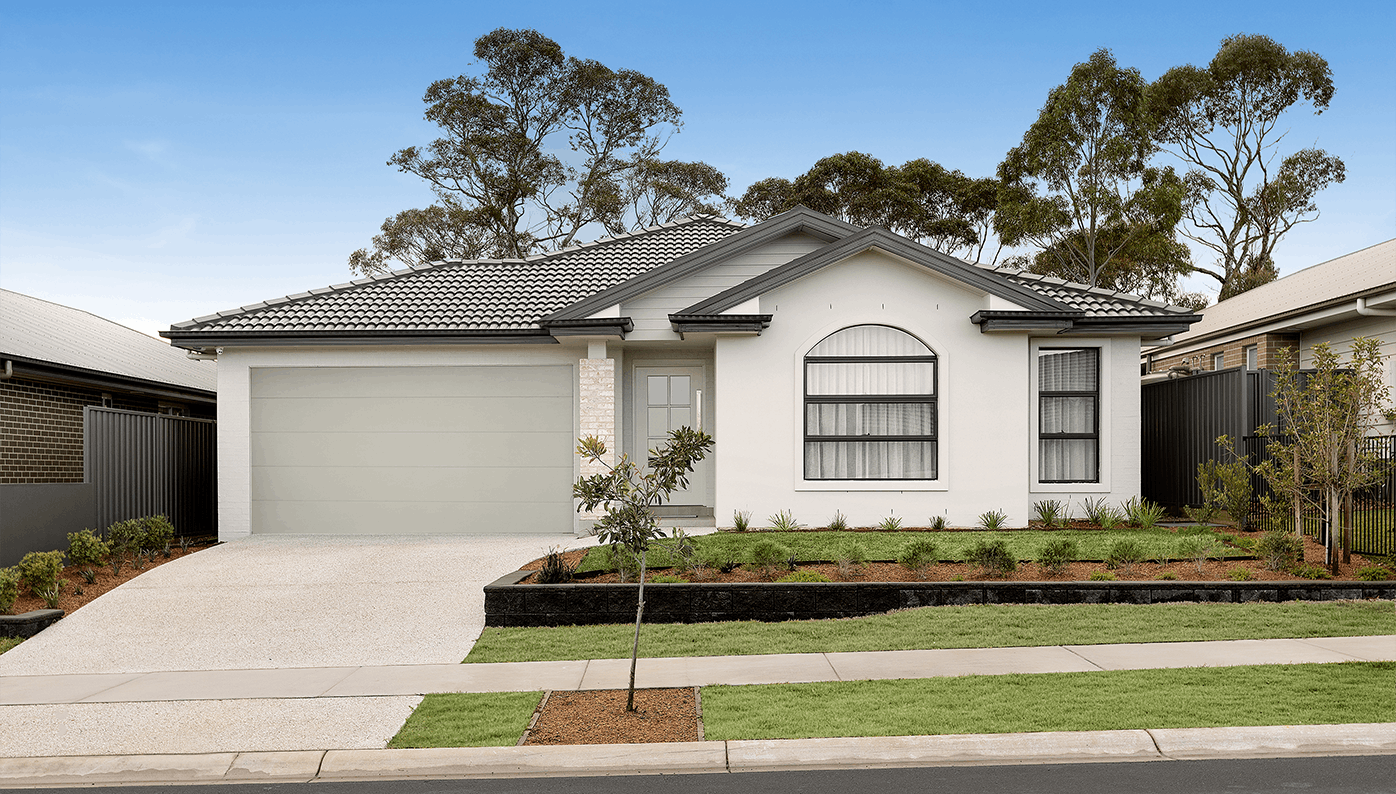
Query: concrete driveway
x,y
279,602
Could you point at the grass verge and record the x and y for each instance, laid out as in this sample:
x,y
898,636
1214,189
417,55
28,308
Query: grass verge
x,y
490,719
7,643
1025,544
980,626
1302,694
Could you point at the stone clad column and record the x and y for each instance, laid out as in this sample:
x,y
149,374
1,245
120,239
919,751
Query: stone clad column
x,y
596,395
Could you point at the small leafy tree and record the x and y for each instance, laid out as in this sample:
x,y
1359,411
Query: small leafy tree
x,y
1317,455
628,496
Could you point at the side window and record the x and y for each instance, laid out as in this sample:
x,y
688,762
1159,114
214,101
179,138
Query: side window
x,y
1068,398
870,406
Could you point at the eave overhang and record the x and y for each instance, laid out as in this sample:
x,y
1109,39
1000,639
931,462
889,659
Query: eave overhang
x,y
198,340
590,326
1079,324
51,372
720,323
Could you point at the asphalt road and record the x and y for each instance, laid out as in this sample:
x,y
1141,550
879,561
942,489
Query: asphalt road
x,y
1351,775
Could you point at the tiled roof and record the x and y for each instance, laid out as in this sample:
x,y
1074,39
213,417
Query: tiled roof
x,y
473,295
49,332
1094,301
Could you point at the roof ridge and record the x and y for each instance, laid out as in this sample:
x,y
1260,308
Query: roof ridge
x,y
438,265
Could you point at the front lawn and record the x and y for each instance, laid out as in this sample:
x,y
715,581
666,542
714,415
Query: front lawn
x,y
1023,544
1301,694
7,643
979,626
489,719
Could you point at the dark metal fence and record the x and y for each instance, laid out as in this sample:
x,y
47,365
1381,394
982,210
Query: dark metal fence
x,y
147,464
1181,420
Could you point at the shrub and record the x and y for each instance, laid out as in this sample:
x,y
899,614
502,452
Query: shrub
x,y
666,578
839,523
1125,553
721,560
937,522
1100,513
804,576
156,533
40,570
85,548
124,537
1142,513
681,549
1279,549
784,521
767,555
1239,574
1103,576
1226,486
890,524
848,554
623,561
741,520
1200,549
919,555
1050,512
1056,554
1374,573
9,588
1310,572
992,558
994,519
555,568
1168,575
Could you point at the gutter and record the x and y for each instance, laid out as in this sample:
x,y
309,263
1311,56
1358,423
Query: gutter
x,y
1366,311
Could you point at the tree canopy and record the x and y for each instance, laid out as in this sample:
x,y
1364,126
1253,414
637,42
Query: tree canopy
x,y
1080,188
502,190
920,199
1221,121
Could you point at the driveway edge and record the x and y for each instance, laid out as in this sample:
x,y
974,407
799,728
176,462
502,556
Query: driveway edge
x,y
1279,741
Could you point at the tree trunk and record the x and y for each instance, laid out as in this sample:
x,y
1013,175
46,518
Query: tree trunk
x,y
1347,528
635,648
1298,499
1330,554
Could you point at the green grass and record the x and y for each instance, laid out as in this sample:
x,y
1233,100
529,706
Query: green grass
x,y
1301,694
1022,543
981,626
491,719
7,643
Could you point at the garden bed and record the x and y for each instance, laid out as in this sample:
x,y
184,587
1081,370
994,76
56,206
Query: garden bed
x,y
79,593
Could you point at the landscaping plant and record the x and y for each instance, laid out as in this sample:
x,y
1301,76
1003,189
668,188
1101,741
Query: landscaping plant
x,y
1374,573
1200,549
890,524
767,555
1103,576
555,569
848,554
1227,486
1056,554
85,548
1126,553
40,570
993,520
937,522
992,558
804,576
1239,574
784,521
1050,513
919,556
741,520
1311,572
628,496
1280,549
9,589
124,537
839,523
666,578
1143,513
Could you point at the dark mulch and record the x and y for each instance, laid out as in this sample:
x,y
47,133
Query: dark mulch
x,y
599,717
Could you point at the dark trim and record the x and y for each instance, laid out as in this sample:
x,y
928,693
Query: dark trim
x,y
51,372
1095,415
195,340
720,323
1156,327
591,326
1289,314
799,219
877,237
1056,322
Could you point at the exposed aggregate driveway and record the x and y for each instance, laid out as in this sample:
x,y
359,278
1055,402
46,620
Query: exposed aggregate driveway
x,y
299,601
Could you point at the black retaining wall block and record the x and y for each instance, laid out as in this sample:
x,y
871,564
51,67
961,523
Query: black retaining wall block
x,y
508,603
28,624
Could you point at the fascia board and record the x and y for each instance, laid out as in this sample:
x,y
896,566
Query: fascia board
x,y
196,340
891,244
794,221
51,372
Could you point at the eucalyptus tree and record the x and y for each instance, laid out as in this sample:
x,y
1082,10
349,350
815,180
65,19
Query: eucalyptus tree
x,y
1222,121
1080,189
502,187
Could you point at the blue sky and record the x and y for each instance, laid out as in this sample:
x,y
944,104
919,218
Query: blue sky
x,y
160,161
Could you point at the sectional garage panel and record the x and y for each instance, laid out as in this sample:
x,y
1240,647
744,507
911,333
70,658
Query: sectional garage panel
x,y
424,450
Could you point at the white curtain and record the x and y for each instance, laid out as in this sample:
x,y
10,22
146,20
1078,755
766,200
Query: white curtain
x,y
1068,459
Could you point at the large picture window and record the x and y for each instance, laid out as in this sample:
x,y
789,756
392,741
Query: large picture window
x,y
1068,395
870,406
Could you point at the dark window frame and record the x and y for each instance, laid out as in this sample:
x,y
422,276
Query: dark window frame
x,y
933,399
1095,414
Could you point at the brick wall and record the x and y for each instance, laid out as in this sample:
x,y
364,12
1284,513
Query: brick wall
x,y
41,429
1233,353
596,395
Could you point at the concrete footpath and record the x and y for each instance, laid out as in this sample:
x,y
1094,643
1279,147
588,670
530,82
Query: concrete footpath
x,y
401,680
705,757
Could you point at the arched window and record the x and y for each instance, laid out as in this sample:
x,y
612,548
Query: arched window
x,y
870,406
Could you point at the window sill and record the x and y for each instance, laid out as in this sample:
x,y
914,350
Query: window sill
x,y
883,486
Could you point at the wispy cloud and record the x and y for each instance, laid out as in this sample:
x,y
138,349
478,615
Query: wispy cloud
x,y
152,150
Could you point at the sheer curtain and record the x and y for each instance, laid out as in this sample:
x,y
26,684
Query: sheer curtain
x,y
888,434
1068,385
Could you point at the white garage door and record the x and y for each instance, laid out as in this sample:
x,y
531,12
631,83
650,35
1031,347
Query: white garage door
x,y
393,450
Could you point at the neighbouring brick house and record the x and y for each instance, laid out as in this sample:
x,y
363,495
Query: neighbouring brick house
x,y
56,360
1353,295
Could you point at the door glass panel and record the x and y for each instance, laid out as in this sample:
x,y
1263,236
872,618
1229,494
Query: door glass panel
x,y
658,423
679,417
659,389
678,390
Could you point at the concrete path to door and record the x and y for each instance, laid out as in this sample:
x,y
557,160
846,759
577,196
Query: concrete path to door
x,y
288,602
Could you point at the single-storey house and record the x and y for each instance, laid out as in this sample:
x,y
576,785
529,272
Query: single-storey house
x,y
838,368
1335,301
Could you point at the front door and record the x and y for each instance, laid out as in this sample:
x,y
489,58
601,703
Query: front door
x,y
669,398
